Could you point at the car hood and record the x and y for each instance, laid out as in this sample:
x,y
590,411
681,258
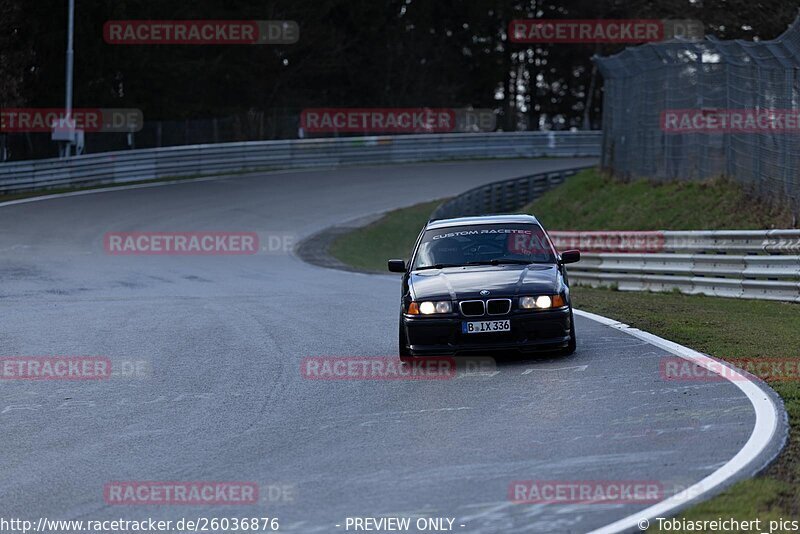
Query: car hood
x,y
459,283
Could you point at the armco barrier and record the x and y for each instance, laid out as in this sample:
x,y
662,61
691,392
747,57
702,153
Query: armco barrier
x,y
757,264
502,197
159,163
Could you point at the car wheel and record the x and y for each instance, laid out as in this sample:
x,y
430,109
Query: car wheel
x,y
570,348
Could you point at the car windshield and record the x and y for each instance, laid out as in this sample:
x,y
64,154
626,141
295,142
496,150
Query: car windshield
x,y
485,244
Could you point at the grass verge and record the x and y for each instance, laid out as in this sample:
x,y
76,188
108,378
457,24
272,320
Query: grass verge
x,y
729,329
587,201
591,201
392,236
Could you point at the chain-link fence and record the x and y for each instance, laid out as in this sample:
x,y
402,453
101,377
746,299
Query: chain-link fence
x,y
694,110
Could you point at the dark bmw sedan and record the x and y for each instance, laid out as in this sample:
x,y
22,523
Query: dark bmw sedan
x,y
485,283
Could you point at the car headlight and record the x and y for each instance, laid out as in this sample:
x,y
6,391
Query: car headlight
x,y
542,302
427,308
444,306
430,307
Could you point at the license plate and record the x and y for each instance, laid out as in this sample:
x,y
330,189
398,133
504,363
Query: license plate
x,y
485,327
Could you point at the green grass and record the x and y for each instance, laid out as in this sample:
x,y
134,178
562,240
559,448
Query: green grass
x,y
591,201
392,236
729,329
587,201
754,499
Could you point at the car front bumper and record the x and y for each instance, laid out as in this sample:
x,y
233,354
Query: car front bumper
x,y
530,331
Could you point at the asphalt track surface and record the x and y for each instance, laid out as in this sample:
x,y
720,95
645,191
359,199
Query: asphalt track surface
x,y
223,399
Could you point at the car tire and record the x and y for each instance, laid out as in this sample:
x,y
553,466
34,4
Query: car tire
x,y
570,348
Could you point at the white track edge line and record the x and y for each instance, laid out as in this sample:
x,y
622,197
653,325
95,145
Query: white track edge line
x,y
765,427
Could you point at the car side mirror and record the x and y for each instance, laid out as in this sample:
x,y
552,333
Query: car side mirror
x,y
570,256
397,266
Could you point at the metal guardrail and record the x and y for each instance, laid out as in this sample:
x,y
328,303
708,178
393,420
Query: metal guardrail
x,y
504,196
741,264
756,264
703,241
174,162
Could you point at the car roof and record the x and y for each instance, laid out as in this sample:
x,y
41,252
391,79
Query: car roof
x,y
485,219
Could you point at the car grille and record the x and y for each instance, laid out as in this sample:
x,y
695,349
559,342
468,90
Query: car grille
x,y
476,308
472,308
498,306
